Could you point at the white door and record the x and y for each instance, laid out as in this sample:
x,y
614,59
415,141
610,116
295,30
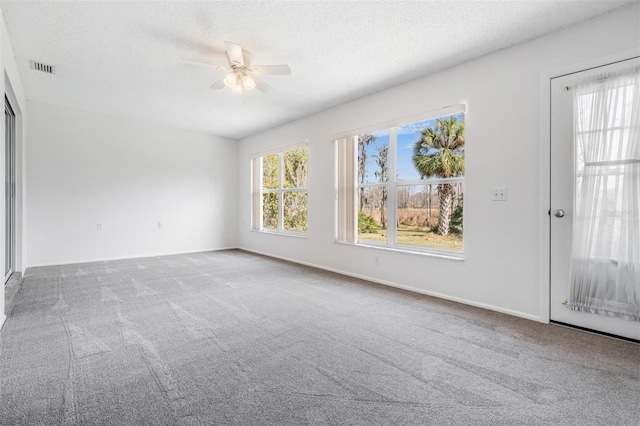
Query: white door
x,y
563,178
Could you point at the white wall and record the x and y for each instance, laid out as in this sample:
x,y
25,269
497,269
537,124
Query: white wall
x,y
12,87
501,269
85,168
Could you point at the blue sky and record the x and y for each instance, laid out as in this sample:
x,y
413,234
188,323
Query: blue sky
x,y
407,137
382,138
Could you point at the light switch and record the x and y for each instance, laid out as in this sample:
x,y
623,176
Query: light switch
x,y
499,194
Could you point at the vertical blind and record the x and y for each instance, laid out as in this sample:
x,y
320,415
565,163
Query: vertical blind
x,y
256,190
346,190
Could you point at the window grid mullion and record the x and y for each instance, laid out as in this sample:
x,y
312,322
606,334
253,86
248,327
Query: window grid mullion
x,y
392,222
372,185
429,181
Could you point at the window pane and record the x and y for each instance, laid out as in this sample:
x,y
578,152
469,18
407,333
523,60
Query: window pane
x,y
408,135
270,210
419,215
373,157
372,215
295,168
295,210
270,172
620,99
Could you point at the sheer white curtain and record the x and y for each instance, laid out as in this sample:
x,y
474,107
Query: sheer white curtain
x,y
605,264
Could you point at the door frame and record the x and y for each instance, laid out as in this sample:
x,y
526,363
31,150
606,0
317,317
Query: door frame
x,y
10,171
545,167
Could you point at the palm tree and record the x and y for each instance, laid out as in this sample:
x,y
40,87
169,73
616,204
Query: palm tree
x,y
440,152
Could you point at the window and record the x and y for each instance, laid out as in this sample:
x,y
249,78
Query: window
x,y
280,191
408,181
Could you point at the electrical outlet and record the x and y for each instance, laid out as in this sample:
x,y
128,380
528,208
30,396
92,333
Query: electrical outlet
x,y
499,194
98,227
376,260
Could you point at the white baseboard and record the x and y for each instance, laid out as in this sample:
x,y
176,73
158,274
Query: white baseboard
x,y
404,287
138,256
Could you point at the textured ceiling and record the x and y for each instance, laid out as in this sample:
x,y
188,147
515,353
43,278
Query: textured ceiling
x,y
124,58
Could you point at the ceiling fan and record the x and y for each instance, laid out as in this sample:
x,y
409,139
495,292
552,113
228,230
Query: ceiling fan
x,y
242,74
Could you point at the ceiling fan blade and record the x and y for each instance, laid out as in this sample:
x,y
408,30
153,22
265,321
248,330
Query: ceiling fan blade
x,y
261,85
234,52
248,58
272,69
218,84
204,64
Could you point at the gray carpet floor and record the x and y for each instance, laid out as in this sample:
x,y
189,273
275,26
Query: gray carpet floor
x,y
233,338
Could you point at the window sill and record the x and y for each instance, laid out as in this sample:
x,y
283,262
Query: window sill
x,y
439,254
302,236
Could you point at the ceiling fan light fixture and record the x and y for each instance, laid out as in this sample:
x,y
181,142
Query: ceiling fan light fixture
x,y
248,83
239,77
237,89
231,80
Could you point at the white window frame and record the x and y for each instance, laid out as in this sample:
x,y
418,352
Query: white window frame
x,y
257,220
348,187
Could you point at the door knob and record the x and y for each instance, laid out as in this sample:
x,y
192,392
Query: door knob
x,y
559,213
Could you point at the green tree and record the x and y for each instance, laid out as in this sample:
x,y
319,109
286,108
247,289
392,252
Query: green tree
x,y
440,152
270,180
363,142
295,202
383,176
456,218
295,211
271,171
295,168
366,224
270,210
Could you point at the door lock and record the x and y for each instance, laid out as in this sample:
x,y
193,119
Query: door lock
x,y
559,213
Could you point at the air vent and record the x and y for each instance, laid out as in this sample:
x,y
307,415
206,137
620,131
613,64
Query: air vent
x,y
39,66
